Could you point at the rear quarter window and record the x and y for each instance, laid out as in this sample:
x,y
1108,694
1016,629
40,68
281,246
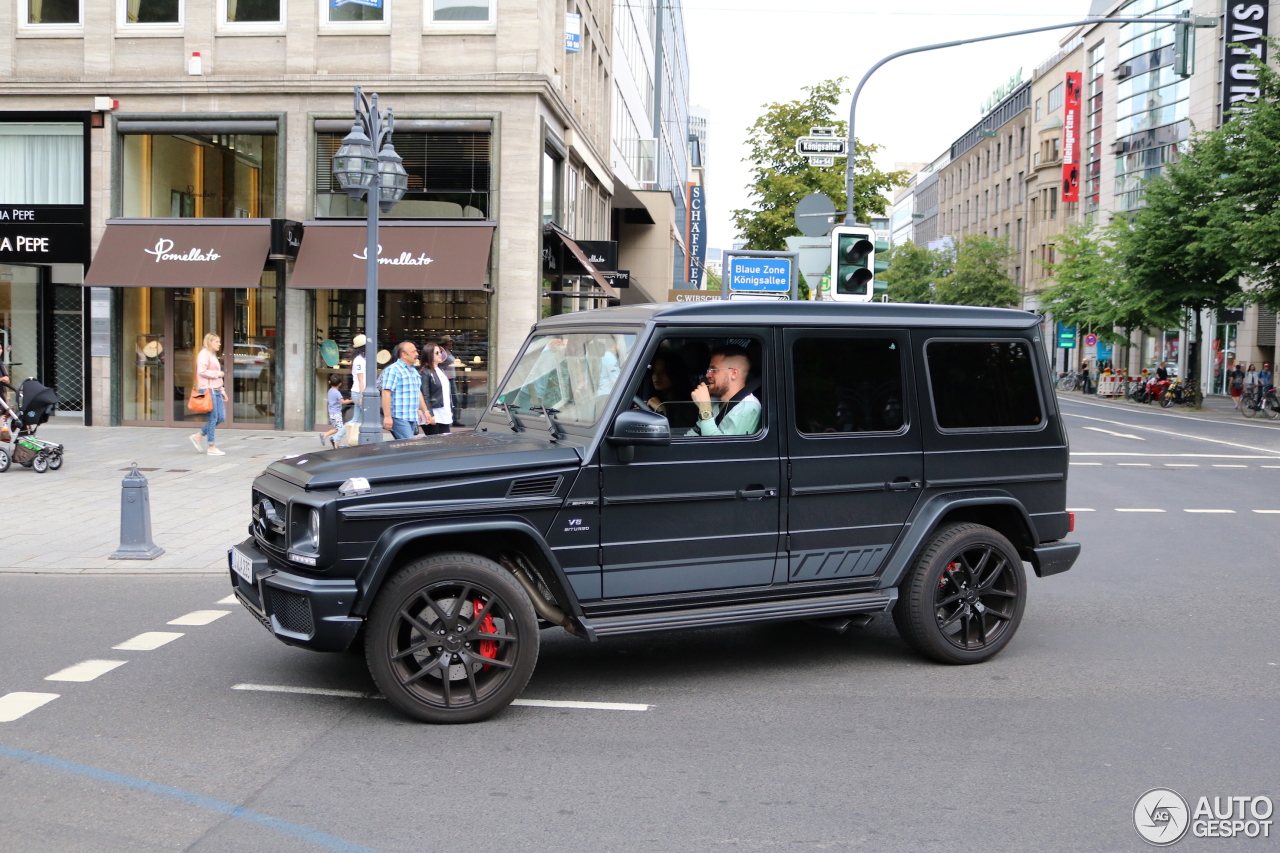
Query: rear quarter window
x,y
983,384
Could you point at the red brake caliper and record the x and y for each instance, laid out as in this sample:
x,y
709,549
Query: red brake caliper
x,y
951,569
488,648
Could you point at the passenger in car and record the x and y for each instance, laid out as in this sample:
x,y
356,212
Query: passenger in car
x,y
736,411
671,393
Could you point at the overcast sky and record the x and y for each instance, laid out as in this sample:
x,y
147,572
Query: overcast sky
x,y
744,54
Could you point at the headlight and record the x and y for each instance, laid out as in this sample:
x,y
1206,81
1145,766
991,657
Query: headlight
x,y
308,542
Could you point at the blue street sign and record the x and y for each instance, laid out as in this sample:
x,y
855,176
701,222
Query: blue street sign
x,y
759,275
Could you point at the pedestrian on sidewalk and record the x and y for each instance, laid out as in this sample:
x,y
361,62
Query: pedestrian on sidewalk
x,y
336,401
402,405
1084,377
357,375
1264,382
209,381
437,391
1237,384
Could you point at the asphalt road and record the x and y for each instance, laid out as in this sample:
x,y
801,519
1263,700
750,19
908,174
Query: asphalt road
x,y
1152,663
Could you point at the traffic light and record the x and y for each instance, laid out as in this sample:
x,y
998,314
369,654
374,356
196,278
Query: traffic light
x,y
853,251
1184,48
854,264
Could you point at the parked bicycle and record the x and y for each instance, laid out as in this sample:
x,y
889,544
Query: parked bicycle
x,y
1068,381
1181,393
1267,405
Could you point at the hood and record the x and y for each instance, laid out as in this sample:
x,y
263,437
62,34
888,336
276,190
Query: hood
x,y
422,458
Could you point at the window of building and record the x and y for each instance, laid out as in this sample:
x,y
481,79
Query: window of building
x,y
448,176
51,13
1008,192
1093,129
462,11
1055,98
552,183
845,385
198,175
41,163
353,11
1022,141
571,179
1038,102
1055,149
977,384
252,11
1053,202
150,12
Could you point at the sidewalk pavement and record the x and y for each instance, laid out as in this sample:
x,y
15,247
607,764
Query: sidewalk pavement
x,y
68,521
1213,405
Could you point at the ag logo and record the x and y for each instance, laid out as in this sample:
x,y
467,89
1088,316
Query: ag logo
x,y
1161,817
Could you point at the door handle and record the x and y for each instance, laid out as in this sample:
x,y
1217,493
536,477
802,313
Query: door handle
x,y
756,494
902,485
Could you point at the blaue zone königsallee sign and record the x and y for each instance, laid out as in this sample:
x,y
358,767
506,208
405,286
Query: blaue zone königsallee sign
x,y
43,234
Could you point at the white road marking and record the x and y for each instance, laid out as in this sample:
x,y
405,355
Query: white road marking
x,y
1133,464
230,599
15,705
1271,466
1159,414
1181,465
1075,453
1229,466
149,641
1223,511
1118,509
1084,463
85,671
199,617
1080,509
1267,511
1116,434
1178,434
529,703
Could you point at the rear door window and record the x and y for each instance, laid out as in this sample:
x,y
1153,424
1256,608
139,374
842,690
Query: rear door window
x,y
983,384
847,385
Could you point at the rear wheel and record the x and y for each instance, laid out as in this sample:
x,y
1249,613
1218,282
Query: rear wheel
x,y
55,462
1270,410
963,600
40,463
1248,408
452,639
1167,400
5,460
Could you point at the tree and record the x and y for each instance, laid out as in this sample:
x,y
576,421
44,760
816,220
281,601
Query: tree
x,y
781,177
911,274
980,275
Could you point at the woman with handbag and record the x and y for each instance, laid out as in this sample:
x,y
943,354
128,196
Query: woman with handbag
x,y
437,390
209,393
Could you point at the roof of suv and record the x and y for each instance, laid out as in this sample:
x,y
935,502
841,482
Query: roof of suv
x,y
786,312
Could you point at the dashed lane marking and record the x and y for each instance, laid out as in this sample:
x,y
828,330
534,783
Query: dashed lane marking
x,y
1133,464
1221,511
1267,511
528,703
1181,465
1116,434
16,705
85,671
1148,455
1080,509
1216,465
149,641
199,617
230,599
1129,509
1084,463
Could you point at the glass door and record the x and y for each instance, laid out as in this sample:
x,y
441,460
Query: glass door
x,y
145,355
253,374
197,311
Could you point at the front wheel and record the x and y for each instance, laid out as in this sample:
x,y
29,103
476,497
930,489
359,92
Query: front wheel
x,y
452,639
963,599
40,464
1166,401
1270,410
5,460
1248,409
55,462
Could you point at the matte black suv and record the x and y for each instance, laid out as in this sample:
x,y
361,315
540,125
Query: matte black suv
x,y
845,460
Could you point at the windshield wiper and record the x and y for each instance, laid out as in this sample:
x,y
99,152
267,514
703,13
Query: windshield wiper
x,y
516,425
553,426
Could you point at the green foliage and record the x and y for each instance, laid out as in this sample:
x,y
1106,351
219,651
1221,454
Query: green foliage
x,y
912,272
781,177
980,274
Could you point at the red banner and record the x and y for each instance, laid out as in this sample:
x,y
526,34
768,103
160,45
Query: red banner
x,y
1071,138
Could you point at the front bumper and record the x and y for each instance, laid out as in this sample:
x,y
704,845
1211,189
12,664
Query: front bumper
x,y
314,614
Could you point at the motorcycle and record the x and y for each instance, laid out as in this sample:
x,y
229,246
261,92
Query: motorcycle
x,y
1267,405
1152,389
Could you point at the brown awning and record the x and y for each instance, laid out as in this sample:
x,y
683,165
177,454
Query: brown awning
x,y
423,255
181,253
587,265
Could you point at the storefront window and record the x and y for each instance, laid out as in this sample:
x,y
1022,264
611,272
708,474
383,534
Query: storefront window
x,y
448,177
254,354
420,316
201,176
41,163
144,355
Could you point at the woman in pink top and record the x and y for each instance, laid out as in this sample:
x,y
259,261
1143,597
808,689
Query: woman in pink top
x,y
209,379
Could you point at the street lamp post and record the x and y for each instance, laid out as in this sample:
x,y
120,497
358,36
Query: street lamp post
x,y
383,181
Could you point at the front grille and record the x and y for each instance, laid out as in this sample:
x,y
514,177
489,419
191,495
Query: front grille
x,y
269,524
291,610
535,487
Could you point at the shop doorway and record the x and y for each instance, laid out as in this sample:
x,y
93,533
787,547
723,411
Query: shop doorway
x,y
164,330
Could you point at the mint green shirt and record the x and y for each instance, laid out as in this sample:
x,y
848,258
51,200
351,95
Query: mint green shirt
x,y
743,418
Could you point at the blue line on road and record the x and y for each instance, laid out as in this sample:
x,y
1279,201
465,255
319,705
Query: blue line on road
x,y
304,833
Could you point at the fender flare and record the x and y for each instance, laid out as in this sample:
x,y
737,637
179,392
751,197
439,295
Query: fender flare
x,y
394,539
924,521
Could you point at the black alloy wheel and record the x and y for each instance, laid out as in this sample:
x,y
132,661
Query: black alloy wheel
x,y
963,600
452,639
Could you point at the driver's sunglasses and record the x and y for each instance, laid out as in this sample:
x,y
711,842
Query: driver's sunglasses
x,y
714,369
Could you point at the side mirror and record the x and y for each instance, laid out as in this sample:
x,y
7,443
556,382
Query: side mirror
x,y
639,427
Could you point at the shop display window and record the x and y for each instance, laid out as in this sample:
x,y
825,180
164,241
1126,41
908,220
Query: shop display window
x,y
448,177
41,162
198,175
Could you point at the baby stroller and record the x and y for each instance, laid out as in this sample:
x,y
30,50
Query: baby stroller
x,y
35,403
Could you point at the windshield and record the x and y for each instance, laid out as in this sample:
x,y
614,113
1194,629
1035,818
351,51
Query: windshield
x,y
571,374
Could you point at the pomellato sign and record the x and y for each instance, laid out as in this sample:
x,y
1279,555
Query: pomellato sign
x,y
163,251
404,259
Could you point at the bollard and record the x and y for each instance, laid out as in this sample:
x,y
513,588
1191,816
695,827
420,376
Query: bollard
x,y
135,519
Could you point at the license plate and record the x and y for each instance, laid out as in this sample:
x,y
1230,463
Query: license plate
x,y
242,564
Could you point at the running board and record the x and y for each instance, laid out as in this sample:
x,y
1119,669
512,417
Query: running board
x,y
878,601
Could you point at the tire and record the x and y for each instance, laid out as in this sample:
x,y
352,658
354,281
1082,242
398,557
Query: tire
x,y
1269,409
438,596
938,597
55,462
5,460
1247,409
1166,401
40,464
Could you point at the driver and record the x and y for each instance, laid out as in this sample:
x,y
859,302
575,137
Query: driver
x,y
735,411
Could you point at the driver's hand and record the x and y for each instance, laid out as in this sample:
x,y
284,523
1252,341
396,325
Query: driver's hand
x,y
654,403
701,394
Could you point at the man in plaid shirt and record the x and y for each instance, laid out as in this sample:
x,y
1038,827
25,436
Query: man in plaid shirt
x,y
402,405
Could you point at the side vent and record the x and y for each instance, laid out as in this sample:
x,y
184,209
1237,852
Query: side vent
x,y
535,487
